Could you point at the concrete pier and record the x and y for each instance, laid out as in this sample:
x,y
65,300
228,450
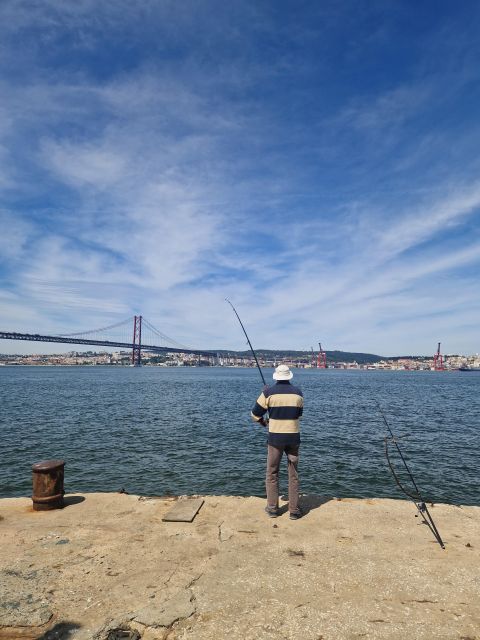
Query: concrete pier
x,y
349,569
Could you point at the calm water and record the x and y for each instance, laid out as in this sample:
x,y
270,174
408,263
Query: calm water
x,y
186,431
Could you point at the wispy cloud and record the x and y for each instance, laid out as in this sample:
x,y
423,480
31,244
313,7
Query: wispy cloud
x,y
150,165
424,222
16,234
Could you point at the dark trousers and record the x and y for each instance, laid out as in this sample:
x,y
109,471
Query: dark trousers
x,y
274,458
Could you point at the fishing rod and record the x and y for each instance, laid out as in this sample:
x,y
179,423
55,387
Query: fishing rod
x,y
415,497
248,340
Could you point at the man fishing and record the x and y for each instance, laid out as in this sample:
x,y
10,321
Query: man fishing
x,y
284,403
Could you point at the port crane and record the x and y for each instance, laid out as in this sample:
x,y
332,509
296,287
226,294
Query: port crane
x,y
438,360
321,358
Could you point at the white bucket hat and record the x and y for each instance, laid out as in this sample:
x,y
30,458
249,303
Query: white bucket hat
x,y
282,372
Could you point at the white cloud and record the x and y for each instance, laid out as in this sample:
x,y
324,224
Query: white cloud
x,y
14,235
417,226
85,164
388,110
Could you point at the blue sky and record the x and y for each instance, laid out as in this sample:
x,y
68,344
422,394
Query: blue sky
x,y
316,162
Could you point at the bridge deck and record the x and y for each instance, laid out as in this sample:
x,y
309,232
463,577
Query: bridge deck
x,y
35,337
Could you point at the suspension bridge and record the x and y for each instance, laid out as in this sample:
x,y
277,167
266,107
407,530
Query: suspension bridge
x,y
135,334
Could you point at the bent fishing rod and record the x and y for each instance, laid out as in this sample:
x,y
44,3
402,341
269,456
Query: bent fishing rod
x,y
248,340
415,497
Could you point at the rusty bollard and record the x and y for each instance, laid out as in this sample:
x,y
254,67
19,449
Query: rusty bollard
x,y
48,485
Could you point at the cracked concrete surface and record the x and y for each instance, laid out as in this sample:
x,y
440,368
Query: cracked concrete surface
x,y
108,566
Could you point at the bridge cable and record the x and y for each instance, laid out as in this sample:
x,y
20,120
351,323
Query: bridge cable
x,y
163,336
86,333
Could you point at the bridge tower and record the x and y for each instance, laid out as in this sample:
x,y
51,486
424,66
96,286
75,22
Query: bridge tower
x,y
137,341
438,360
322,358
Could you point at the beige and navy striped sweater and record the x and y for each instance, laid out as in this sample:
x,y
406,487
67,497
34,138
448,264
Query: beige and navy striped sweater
x,y
284,403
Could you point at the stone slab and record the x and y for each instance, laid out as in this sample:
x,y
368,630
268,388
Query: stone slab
x,y
184,510
166,613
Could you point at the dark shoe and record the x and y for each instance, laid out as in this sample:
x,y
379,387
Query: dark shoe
x,y
271,513
296,515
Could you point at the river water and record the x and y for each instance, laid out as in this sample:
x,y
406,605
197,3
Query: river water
x,y
157,430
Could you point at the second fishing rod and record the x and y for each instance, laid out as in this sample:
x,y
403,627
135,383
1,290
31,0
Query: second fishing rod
x,y
415,496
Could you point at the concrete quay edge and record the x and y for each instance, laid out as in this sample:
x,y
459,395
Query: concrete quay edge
x,y
350,568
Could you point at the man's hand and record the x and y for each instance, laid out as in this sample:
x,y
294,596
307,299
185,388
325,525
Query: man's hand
x,y
263,422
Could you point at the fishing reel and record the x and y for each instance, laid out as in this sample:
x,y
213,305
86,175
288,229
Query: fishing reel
x,y
422,507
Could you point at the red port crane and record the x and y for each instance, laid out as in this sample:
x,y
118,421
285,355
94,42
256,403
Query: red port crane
x,y
438,360
321,358
314,361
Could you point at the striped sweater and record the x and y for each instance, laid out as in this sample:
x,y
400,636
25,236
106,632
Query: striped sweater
x,y
284,403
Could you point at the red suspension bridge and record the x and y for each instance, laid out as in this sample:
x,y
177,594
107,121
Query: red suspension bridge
x,y
120,335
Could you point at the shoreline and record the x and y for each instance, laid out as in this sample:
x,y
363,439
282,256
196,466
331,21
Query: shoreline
x,y
349,568
161,366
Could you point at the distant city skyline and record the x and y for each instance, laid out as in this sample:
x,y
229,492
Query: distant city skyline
x,y
317,164
265,359
59,349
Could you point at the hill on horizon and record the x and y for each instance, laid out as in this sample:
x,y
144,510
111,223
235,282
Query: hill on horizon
x,y
332,356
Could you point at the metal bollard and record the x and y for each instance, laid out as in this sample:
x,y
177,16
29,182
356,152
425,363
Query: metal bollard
x,y
48,485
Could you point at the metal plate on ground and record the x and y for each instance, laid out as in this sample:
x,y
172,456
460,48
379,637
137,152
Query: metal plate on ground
x,y
184,510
